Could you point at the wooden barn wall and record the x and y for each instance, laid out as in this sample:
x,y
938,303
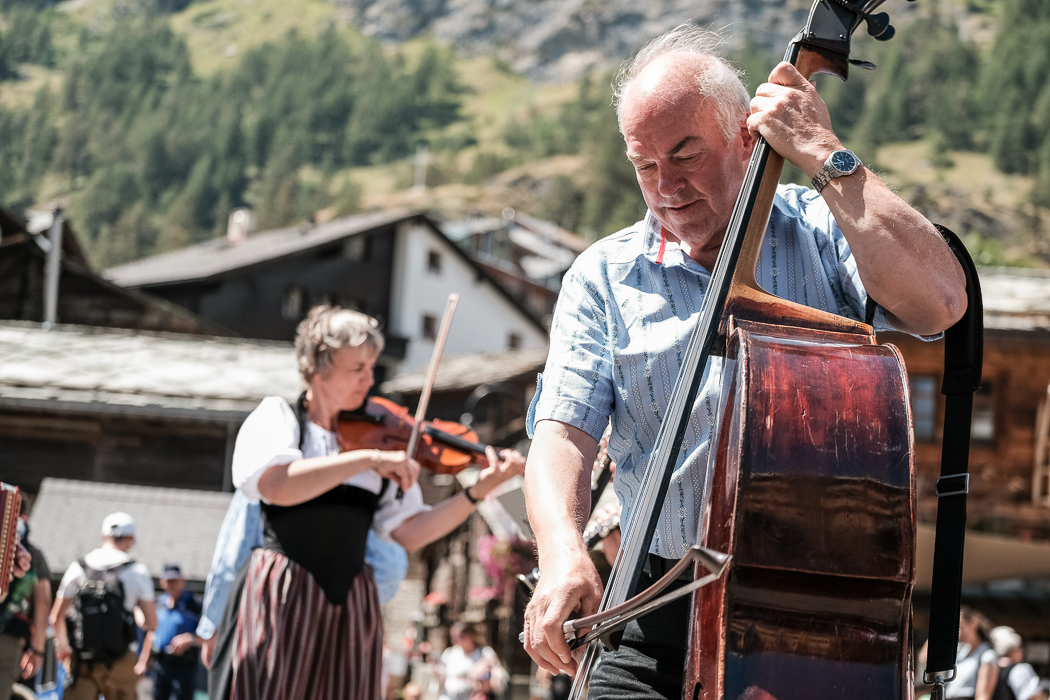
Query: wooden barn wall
x,y
1017,366
117,449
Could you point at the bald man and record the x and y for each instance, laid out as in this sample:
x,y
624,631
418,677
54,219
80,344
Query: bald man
x,y
630,302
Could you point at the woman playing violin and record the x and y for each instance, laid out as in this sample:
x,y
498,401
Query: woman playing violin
x,y
308,622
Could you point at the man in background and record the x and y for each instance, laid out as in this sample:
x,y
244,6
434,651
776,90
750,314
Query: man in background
x,y
176,649
102,662
23,617
1015,676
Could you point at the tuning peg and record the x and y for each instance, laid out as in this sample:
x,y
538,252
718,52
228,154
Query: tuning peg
x,y
866,65
879,26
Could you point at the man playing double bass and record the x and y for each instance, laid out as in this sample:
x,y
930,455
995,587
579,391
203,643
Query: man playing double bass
x,y
629,304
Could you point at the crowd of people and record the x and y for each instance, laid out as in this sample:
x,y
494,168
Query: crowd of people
x,y
990,664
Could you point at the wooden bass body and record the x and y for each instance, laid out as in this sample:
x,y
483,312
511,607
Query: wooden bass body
x,y
812,495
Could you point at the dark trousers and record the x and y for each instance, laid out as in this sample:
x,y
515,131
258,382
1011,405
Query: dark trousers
x,y
650,663
174,677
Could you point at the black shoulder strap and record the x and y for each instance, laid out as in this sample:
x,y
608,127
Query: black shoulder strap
x,y
300,415
963,358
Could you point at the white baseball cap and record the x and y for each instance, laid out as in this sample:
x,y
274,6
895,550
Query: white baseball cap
x,y
1004,640
118,525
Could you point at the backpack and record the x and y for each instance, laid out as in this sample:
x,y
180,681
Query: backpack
x,y
1003,691
101,628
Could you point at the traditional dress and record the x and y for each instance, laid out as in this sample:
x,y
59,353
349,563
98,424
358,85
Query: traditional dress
x,y
303,619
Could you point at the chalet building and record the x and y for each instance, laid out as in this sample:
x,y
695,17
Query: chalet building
x,y
527,256
399,268
81,297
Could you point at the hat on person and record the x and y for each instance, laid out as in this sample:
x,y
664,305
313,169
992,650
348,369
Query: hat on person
x,y
118,525
1004,640
171,571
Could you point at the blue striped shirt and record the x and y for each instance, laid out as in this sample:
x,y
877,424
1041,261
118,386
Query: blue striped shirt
x,y
622,324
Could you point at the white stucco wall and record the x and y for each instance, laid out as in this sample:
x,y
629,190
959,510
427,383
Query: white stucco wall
x,y
484,318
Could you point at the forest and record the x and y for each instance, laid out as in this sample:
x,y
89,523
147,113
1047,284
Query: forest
x,y
153,156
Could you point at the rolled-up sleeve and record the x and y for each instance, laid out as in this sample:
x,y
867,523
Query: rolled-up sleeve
x,y
269,436
576,387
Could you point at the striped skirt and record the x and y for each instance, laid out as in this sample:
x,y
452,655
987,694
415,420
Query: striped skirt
x,y
291,643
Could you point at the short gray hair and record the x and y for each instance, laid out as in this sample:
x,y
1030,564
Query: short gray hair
x,y
717,80
325,330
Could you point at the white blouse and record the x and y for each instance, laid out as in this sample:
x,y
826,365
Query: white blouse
x,y
269,436
968,663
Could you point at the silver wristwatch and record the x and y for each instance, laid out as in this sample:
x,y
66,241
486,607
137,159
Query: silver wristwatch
x,y
838,164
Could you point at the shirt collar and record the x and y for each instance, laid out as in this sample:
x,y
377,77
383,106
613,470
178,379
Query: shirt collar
x,y
660,251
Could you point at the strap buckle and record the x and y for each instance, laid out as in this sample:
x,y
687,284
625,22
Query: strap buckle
x,y
938,677
953,485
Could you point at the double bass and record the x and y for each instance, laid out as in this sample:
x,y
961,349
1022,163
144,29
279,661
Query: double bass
x,y
805,574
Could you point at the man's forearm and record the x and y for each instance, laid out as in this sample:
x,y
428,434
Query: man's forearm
x,y
557,486
41,606
905,264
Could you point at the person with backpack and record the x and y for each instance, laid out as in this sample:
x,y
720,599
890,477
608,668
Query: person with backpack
x,y
94,616
1017,680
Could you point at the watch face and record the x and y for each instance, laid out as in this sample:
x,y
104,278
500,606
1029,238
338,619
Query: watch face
x,y
844,161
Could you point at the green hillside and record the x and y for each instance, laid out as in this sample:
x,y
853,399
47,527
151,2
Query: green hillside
x,y
151,119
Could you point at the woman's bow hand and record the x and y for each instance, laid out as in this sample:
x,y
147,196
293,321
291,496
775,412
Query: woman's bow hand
x,y
396,466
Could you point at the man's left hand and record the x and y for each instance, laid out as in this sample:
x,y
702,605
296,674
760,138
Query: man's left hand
x,y
789,114
31,661
182,643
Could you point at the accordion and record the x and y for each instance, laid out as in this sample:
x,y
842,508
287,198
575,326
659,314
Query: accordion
x,y
10,499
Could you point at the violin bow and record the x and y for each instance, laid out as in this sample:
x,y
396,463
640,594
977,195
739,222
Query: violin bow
x,y
428,383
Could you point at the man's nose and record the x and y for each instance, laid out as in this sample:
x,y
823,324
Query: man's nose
x,y
670,181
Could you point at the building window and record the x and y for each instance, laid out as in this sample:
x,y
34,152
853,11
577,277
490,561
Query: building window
x,y
513,341
923,392
982,428
430,327
293,304
356,248
434,262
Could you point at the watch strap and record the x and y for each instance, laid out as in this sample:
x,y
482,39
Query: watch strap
x,y
822,178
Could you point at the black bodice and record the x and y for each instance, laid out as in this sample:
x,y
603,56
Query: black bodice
x,y
326,535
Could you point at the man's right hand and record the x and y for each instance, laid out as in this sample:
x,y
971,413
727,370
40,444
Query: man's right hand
x,y
568,584
207,646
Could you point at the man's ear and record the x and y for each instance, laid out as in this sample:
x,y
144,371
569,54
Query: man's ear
x,y
746,137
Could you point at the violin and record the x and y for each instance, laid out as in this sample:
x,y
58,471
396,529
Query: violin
x,y
445,447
